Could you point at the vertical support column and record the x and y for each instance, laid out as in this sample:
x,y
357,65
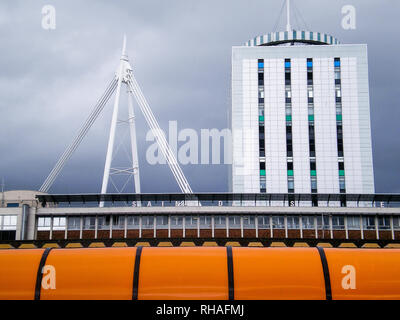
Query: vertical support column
x,y
126,227
111,225
316,227
198,226
169,226
361,228
271,229
376,227
66,228
301,226
227,225
286,227
212,226
330,226
24,221
96,226
256,224
51,227
81,228
391,227
140,226
241,226
111,138
154,227
346,228
184,226
132,127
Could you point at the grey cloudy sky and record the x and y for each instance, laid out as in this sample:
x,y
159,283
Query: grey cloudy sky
x,y
180,51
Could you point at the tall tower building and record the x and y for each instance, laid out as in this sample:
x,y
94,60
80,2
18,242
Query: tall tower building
x,y
301,115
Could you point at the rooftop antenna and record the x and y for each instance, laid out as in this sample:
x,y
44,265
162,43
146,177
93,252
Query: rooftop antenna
x,y
124,75
288,26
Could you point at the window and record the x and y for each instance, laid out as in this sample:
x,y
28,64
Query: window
x,y
191,222
176,222
9,223
290,184
74,223
133,222
396,222
338,222
147,222
59,223
43,223
353,223
263,222
249,222
323,222
342,184
313,181
308,222
103,223
278,222
384,223
12,205
118,222
89,223
220,222
234,222
293,222
205,222
369,223
162,222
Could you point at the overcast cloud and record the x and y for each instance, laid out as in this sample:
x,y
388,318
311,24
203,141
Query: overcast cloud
x,y
181,54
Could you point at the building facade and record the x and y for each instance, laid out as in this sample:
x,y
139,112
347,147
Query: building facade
x,y
248,219
301,115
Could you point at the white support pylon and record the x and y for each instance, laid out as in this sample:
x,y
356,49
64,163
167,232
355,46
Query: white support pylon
x,y
132,129
114,119
124,75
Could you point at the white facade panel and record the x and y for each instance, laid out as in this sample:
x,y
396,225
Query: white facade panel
x,y
325,126
275,126
301,155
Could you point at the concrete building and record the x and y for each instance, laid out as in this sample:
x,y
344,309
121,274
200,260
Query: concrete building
x,y
223,218
301,115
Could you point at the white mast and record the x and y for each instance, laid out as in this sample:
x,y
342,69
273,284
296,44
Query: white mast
x,y
124,75
114,119
288,26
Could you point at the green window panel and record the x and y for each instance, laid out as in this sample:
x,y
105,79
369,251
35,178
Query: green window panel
x,y
261,118
262,172
311,117
341,173
339,117
288,118
290,172
313,173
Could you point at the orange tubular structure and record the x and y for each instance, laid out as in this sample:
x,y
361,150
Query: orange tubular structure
x,y
199,273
